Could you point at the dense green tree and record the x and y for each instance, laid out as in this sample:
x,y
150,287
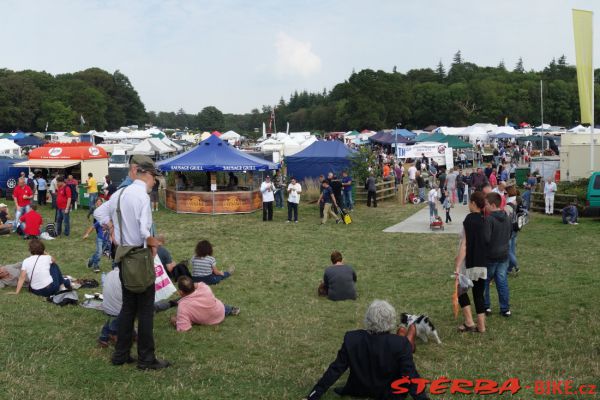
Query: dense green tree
x,y
519,67
210,119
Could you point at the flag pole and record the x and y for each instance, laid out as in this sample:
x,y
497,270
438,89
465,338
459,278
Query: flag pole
x,y
542,111
592,140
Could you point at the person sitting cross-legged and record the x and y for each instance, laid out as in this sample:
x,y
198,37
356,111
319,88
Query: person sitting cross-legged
x,y
198,306
204,265
376,357
44,276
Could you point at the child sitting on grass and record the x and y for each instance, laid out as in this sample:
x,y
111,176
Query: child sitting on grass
x,y
204,265
198,305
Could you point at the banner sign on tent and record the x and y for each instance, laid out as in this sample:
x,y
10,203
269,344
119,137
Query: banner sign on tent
x,y
449,158
417,150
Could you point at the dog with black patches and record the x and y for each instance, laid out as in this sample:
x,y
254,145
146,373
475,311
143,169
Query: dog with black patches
x,y
423,325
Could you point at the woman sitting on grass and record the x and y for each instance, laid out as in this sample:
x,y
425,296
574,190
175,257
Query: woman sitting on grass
x,y
198,306
45,278
204,265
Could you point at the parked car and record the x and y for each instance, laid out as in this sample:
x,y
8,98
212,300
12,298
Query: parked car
x,y
593,195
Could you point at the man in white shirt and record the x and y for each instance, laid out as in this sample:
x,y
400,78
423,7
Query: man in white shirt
x,y
412,173
267,188
549,191
136,218
294,189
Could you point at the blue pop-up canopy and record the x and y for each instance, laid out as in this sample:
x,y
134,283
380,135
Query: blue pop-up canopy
x,y
404,133
319,158
30,141
213,154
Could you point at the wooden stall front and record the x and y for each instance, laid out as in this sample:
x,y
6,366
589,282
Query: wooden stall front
x,y
213,202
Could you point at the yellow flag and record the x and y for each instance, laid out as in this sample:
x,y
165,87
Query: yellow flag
x,y
582,27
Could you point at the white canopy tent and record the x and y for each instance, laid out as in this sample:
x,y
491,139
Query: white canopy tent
x,y
172,144
9,148
509,130
230,135
151,147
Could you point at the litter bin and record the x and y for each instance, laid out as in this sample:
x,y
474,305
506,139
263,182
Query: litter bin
x,y
83,196
521,176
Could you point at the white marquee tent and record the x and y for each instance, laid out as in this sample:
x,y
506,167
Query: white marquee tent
x,y
9,148
152,146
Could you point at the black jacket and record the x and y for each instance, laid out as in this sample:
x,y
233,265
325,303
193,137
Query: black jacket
x,y
375,361
498,229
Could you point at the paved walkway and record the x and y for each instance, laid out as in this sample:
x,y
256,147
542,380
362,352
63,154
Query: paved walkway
x,y
419,222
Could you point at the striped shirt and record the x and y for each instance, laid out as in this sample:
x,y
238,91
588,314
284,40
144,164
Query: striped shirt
x,y
202,266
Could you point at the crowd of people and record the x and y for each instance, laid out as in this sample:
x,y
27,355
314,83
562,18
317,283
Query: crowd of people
x,y
375,355
335,195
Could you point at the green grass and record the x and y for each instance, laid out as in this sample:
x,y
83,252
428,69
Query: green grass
x,y
286,336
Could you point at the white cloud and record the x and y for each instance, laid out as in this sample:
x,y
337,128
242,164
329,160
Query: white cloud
x,y
295,57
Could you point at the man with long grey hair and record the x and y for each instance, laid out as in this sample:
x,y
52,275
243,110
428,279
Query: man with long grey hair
x,y
376,357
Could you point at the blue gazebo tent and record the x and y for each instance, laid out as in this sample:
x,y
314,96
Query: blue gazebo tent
x,y
388,138
404,133
319,158
30,141
213,154
18,136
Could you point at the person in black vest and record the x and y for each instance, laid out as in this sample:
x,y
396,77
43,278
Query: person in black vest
x,y
336,187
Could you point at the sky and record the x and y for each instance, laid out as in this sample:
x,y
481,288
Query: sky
x,y
240,55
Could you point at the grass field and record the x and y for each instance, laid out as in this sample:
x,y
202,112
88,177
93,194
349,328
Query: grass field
x,y
286,336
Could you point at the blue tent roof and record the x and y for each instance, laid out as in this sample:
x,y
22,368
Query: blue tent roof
x,y
213,154
382,137
319,158
19,135
404,133
502,136
30,141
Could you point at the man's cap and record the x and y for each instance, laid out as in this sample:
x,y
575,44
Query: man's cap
x,y
145,164
2,205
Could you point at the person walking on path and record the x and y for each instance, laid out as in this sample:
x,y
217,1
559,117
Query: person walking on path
x,y
328,199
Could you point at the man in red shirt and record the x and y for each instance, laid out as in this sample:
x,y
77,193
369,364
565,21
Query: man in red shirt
x,y
63,205
22,196
33,222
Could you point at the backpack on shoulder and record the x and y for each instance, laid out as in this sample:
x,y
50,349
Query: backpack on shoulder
x,y
519,217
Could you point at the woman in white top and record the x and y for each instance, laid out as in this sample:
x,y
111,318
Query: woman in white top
x,y
549,190
294,189
44,276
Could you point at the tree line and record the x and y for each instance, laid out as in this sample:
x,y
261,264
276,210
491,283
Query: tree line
x,y
38,101
460,95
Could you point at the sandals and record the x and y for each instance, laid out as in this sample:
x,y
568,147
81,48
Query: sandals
x,y
464,328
